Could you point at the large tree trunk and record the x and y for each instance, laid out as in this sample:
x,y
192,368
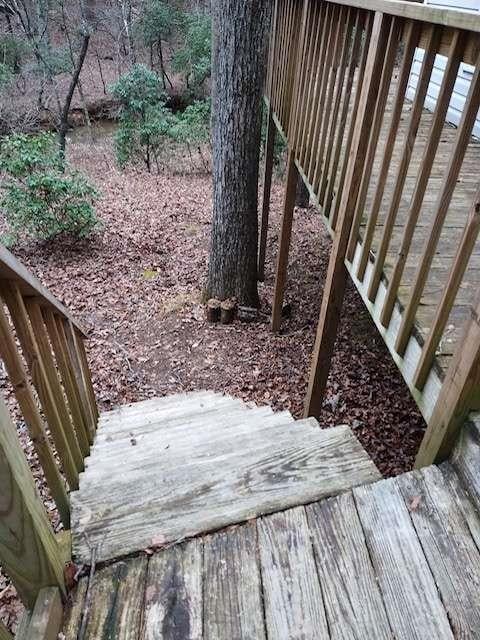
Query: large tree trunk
x,y
239,58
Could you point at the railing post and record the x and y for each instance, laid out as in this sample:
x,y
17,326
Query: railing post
x,y
336,279
457,396
28,550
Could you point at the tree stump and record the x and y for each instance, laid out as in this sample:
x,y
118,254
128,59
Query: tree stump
x,y
228,308
213,310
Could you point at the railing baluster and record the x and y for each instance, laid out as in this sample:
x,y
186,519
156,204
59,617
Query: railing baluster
x,y
431,48
353,118
69,333
327,108
308,162
456,396
317,26
45,349
465,128
411,41
87,376
459,266
443,100
28,406
380,104
41,381
28,550
345,99
69,382
340,79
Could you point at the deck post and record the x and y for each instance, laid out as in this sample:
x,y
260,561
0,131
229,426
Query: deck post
x,y
457,396
336,279
267,186
284,240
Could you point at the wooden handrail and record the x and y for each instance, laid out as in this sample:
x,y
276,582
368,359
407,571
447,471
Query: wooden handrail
x,y
42,348
375,174
452,18
13,270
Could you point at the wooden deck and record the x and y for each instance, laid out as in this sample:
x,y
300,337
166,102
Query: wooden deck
x,y
452,231
395,559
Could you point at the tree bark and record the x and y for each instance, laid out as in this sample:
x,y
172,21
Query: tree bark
x,y
62,133
238,64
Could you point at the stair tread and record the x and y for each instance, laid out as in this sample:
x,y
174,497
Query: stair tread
x,y
209,477
124,423
174,452
206,427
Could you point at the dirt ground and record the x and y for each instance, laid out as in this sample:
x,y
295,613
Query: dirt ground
x,y
137,285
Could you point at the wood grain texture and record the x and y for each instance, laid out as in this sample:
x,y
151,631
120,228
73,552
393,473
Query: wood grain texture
x,y
232,588
291,590
74,610
448,546
161,496
28,550
47,615
174,593
466,458
411,598
117,598
5,633
352,598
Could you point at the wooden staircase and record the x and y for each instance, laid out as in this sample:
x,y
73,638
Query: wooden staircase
x,y
166,469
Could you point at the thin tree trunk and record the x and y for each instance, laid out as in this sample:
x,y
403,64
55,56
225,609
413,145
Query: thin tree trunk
x,y
302,199
239,59
62,134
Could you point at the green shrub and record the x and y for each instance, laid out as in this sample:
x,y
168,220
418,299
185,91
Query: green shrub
x,y
144,120
192,128
193,58
6,75
13,51
40,199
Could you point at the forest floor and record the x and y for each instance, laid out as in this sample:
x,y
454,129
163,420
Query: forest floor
x,y
137,288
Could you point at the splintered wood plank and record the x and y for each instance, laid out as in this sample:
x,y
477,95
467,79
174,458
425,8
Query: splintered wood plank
x,y
448,546
292,594
466,457
47,615
463,500
173,594
232,589
297,465
352,598
411,598
117,601
74,610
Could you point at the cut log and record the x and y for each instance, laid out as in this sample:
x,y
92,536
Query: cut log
x,y
213,310
227,310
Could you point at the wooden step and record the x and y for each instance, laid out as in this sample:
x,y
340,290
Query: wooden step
x,y
180,481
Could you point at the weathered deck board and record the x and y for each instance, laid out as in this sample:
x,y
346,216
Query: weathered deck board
x,y
412,602
466,459
117,601
396,560
292,594
174,594
455,567
232,591
181,482
353,602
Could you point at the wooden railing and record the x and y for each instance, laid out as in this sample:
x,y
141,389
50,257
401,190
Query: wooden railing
x,y
337,92
42,350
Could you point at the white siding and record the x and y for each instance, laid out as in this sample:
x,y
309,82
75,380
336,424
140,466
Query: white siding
x,y
464,75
